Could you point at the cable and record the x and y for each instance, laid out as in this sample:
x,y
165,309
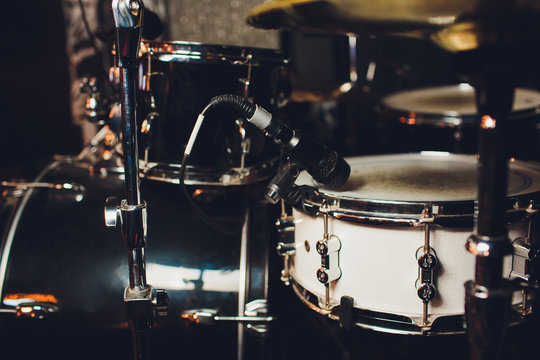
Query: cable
x,y
198,210
242,106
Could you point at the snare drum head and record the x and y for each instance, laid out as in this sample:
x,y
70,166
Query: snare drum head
x,y
424,177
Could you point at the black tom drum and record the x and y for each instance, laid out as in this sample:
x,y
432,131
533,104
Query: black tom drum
x,y
177,80
445,118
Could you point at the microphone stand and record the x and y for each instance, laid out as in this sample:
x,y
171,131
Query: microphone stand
x,y
141,303
488,296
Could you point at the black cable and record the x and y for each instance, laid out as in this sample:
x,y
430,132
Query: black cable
x,y
246,109
198,210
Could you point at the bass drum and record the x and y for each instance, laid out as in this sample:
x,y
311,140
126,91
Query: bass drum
x,y
63,272
393,211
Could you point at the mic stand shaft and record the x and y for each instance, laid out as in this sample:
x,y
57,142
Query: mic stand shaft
x,y
488,296
139,305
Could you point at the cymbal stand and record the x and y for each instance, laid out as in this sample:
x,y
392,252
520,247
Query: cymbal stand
x,y
488,296
138,297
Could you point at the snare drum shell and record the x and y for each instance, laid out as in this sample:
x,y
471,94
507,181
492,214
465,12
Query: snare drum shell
x,y
379,268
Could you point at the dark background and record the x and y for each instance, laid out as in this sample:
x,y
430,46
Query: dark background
x,y
35,120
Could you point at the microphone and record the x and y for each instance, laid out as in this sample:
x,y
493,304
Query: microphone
x,y
325,166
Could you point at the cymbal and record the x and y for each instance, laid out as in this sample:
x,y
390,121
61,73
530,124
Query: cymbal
x,y
456,25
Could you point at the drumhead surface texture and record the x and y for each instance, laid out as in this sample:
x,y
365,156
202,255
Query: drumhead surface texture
x,y
453,100
423,177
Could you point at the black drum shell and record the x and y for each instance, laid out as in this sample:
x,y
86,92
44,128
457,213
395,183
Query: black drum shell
x,y
61,247
184,77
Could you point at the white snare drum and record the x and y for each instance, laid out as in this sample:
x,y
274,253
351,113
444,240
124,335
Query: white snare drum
x,y
377,227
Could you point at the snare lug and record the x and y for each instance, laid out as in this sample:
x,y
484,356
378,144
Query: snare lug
x,y
329,252
521,259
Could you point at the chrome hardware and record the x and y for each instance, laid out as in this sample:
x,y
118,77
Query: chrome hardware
x,y
245,144
524,258
254,316
19,187
111,211
286,246
209,317
484,246
427,261
33,310
521,260
37,310
328,248
160,302
258,310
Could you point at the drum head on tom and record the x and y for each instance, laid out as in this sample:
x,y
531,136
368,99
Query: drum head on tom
x,y
378,224
445,118
453,105
177,81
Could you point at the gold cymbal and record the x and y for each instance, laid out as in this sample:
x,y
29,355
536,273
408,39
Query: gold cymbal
x,y
456,25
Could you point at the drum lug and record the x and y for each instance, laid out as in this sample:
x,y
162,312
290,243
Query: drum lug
x,y
286,246
427,262
521,259
328,248
524,267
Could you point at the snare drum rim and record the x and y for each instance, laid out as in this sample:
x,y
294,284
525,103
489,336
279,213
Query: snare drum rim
x,y
195,52
411,117
455,213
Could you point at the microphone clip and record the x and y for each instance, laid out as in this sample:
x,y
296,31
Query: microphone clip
x,y
128,21
282,186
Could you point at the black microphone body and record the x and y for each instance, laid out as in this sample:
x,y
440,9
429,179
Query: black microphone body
x,y
325,166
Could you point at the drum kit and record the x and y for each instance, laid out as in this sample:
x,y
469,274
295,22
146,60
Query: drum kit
x,y
433,244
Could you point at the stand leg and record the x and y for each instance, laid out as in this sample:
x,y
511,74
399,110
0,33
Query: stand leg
x,y
488,296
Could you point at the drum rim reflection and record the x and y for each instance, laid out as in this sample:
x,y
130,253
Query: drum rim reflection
x,y
197,52
346,206
398,103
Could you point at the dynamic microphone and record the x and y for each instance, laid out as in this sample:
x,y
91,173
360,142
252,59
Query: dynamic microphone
x,y
325,166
